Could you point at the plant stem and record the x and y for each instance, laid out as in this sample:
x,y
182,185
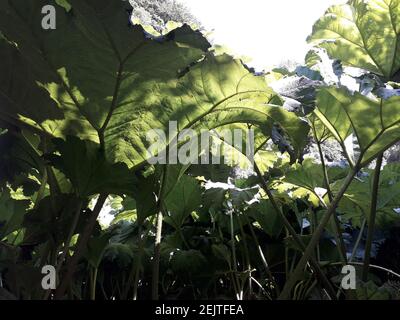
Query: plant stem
x,y
42,189
137,268
246,255
156,260
233,248
70,235
80,247
136,280
315,266
94,282
262,256
307,255
287,251
338,235
372,217
67,243
157,244
45,254
314,223
353,253
261,287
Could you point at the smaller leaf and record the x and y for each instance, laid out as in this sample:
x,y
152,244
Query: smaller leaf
x,y
184,198
12,213
88,170
269,220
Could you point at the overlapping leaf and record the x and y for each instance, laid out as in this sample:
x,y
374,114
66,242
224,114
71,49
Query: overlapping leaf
x,y
11,213
96,76
375,123
110,82
269,220
356,202
363,34
88,170
184,198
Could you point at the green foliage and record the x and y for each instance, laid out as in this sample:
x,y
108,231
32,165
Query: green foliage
x,y
51,219
269,221
12,213
370,291
309,175
376,124
356,201
184,198
312,58
74,148
139,94
363,34
67,97
89,172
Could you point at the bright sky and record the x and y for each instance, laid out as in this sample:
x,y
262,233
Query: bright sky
x,y
268,31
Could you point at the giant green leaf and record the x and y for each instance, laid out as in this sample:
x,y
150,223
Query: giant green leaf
x,y
110,82
102,72
241,99
375,123
363,34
